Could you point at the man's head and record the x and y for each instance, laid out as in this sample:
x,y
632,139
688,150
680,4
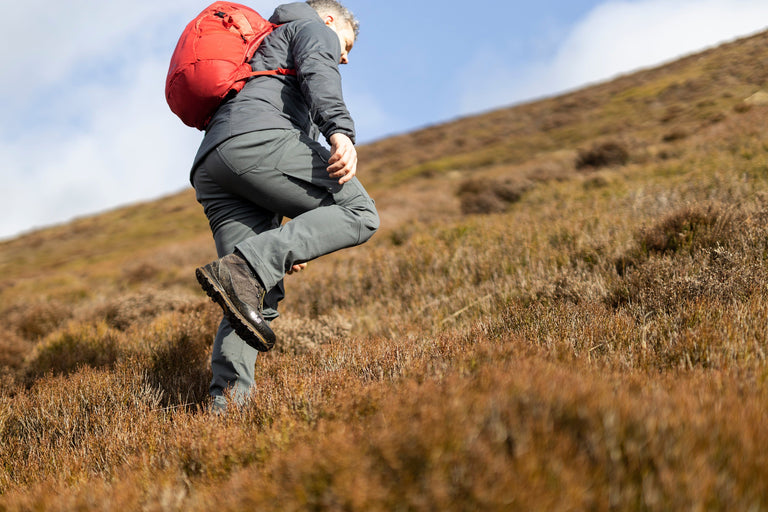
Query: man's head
x,y
341,21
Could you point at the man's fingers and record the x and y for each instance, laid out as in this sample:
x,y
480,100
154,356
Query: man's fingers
x,y
342,166
344,169
336,166
346,178
297,268
346,173
339,159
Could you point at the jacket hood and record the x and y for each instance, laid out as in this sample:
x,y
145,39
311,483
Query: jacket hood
x,y
292,12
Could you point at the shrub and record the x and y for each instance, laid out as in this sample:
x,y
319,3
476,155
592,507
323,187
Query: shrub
x,y
298,335
604,154
76,426
36,319
551,171
487,195
129,309
701,251
674,135
179,354
78,344
142,272
687,229
484,202
690,227
13,348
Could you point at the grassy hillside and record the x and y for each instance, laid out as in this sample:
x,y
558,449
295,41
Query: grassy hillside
x,y
565,308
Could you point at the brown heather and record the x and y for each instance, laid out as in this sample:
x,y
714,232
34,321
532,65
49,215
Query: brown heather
x,y
565,309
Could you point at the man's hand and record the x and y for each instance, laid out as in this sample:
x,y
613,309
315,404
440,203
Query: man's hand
x,y
343,161
297,268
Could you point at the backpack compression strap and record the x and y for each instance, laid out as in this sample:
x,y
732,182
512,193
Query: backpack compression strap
x,y
278,71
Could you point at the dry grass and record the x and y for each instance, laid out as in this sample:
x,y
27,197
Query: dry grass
x,y
586,340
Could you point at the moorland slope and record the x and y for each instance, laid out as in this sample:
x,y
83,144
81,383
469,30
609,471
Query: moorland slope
x,y
565,308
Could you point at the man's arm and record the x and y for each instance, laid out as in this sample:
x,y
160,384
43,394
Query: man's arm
x,y
316,54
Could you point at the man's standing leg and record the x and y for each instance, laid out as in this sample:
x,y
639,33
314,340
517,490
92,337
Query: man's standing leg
x,y
232,220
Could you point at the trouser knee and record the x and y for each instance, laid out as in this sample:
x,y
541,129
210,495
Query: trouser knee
x,y
369,221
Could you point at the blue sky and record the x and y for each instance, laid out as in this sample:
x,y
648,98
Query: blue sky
x,y
86,127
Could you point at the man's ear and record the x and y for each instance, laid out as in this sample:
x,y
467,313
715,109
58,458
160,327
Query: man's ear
x,y
328,20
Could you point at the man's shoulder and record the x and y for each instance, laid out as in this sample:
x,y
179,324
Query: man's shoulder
x,y
302,28
312,31
307,35
305,24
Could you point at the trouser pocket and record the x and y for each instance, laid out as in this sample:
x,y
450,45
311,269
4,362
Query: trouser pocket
x,y
263,149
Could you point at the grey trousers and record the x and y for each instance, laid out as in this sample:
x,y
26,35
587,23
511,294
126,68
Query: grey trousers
x,y
246,186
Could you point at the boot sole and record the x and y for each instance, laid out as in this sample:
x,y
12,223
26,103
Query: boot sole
x,y
254,338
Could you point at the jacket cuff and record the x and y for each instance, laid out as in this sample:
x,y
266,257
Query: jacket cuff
x,y
349,134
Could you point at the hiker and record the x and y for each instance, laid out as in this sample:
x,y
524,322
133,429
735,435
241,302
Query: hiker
x,y
259,162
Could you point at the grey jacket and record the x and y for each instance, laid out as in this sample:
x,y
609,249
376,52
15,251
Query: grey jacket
x,y
309,101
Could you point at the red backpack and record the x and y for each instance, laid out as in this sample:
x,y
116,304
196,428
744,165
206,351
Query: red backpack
x,y
211,59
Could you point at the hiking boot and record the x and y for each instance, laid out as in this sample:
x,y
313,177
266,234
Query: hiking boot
x,y
231,283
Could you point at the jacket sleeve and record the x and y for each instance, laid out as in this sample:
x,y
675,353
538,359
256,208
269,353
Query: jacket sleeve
x,y
316,54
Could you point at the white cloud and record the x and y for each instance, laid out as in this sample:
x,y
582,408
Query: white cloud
x,y
616,37
87,127
132,148
51,37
